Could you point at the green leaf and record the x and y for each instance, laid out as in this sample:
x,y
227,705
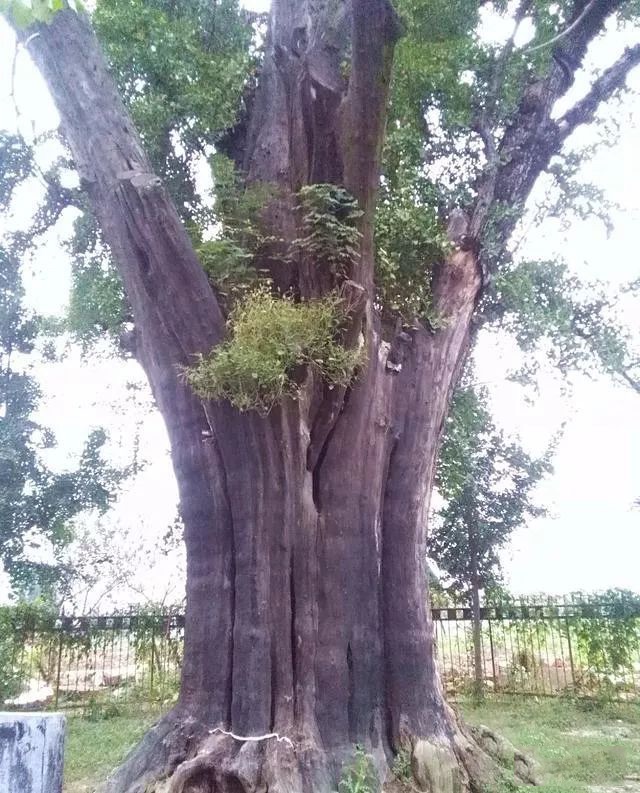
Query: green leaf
x,y
20,13
42,11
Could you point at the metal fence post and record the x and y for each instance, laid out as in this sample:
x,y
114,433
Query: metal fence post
x,y
493,658
573,671
58,669
153,651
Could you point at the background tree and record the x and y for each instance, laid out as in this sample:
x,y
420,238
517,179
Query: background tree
x,y
37,504
336,336
104,568
487,483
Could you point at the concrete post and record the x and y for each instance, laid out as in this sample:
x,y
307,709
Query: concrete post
x,y
31,752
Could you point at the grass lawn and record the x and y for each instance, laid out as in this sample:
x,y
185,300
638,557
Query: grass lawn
x,y
580,748
94,748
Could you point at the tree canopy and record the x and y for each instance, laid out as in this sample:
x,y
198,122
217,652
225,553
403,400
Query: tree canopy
x,y
188,77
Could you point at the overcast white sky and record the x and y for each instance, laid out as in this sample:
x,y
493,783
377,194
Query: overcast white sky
x,y
592,538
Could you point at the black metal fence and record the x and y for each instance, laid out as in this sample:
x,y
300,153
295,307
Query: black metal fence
x,y
581,649
586,649
90,662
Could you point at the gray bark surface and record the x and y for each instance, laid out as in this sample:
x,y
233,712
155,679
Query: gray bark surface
x,y
31,752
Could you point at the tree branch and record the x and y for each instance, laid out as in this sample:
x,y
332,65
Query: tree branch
x,y
375,29
610,81
532,138
500,65
174,307
581,16
630,381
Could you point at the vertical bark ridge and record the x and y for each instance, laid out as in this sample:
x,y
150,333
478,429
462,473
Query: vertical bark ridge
x,y
255,512
374,31
166,286
305,569
265,463
429,371
210,610
351,487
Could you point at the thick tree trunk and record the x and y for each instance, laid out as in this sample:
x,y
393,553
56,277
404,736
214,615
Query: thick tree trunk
x,y
307,628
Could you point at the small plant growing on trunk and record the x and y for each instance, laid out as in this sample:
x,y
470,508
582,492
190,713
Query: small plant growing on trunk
x,y
271,338
360,776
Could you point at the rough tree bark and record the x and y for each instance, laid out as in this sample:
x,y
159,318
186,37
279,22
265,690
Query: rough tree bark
x,y
307,628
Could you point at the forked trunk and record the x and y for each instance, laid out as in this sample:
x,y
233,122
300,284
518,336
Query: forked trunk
x,y
307,629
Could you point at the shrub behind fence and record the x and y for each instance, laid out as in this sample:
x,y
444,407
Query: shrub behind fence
x,y
584,649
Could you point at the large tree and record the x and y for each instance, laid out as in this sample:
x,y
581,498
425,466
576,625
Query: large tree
x,y
305,405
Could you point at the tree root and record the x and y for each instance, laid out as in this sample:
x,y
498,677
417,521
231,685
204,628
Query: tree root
x,y
506,755
184,756
473,760
190,770
163,749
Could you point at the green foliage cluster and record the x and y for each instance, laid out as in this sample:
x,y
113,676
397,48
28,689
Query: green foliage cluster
x,y
541,303
228,267
402,765
28,13
271,338
238,206
328,217
181,68
608,640
430,112
97,303
438,48
15,622
410,241
360,775
16,163
229,258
